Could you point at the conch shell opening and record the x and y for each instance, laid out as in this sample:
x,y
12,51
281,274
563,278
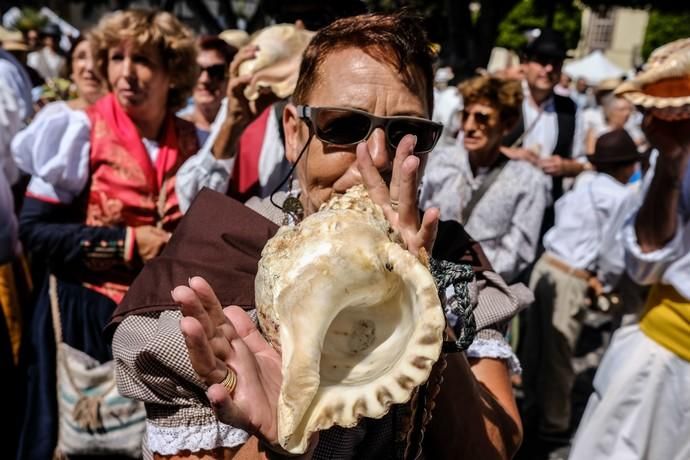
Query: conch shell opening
x,y
356,316
663,88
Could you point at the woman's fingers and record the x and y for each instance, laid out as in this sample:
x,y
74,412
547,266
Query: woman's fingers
x,y
244,54
405,149
429,228
408,214
208,300
246,329
191,306
201,354
371,178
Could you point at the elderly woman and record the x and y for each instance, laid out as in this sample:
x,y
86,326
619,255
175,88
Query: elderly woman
x,y
102,200
360,116
499,201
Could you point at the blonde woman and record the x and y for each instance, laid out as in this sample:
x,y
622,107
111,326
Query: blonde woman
x,y
102,200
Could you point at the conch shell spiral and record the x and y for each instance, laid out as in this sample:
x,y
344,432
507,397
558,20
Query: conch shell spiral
x,y
356,316
276,64
663,88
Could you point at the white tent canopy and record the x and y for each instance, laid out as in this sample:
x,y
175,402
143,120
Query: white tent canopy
x,y
594,68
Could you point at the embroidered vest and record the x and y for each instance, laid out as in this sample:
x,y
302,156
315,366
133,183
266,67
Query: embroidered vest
x,y
126,188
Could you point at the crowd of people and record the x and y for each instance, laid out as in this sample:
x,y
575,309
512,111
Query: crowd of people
x,y
539,201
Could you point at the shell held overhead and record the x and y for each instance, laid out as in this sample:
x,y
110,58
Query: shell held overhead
x,y
356,317
663,87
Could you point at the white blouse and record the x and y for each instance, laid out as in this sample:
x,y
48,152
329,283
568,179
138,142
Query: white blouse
x,y
55,148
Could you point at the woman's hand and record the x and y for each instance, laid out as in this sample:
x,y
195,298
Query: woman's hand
x,y
219,339
399,203
241,112
239,109
150,241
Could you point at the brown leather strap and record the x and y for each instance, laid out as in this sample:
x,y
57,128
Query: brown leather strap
x,y
564,267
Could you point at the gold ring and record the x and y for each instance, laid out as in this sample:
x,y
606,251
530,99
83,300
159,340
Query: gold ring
x,y
230,381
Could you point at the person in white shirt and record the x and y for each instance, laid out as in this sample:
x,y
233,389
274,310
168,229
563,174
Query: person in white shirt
x,y
562,277
640,407
549,124
48,61
15,76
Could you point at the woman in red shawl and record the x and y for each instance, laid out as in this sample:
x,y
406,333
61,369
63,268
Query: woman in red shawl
x,y
102,200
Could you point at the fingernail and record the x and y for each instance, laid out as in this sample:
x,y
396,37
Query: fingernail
x,y
414,144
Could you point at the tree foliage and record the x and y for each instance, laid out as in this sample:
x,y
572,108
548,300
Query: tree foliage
x,y
30,19
664,27
527,15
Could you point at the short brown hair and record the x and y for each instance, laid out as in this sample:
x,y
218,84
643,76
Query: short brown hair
x,y
157,30
217,44
505,95
397,39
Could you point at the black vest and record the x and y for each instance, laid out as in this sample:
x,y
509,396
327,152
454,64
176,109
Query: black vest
x,y
565,113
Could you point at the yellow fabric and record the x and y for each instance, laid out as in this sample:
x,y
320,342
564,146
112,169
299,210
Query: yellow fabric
x,y
10,307
667,320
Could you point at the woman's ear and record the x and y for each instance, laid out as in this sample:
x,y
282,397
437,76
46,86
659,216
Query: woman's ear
x,y
291,127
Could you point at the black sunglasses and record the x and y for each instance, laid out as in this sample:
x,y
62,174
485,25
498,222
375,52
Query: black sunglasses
x,y
215,71
482,119
345,127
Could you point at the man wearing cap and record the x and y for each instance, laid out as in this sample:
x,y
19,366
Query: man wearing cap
x,y
48,61
564,278
545,133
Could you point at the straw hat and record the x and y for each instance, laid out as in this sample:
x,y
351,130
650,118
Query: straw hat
x,y
12,40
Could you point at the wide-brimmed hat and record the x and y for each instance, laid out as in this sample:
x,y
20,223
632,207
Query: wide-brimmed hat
x,y
12,40
549,43
615,147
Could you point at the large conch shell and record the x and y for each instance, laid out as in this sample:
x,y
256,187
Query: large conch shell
x,y
276,64
356,316
663,88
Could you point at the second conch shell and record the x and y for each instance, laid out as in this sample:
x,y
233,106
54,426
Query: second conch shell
x,y
663,87
356,317
276,64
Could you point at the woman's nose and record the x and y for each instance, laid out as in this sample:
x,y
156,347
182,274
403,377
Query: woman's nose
x,y
379,151
468,123
126,67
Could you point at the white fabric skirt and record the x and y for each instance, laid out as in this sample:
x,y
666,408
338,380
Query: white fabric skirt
x,y
640,408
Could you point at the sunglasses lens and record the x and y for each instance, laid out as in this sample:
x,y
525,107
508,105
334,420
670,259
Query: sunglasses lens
x,y
341,127
482,118
216,72
427,134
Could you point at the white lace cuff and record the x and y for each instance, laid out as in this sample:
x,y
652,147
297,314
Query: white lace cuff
x,y
494,348
172,440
